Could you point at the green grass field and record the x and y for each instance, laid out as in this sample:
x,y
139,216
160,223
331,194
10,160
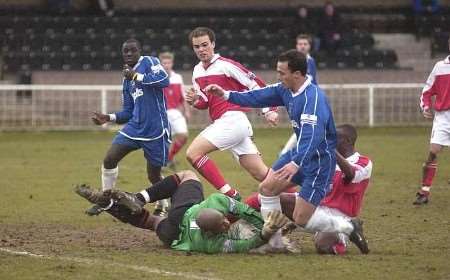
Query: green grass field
x,y
44,233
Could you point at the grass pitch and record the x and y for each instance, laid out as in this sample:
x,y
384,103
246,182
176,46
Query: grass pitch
x,y
45,235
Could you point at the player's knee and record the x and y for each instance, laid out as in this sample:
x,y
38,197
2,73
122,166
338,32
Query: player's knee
x,y
267,189
192,155
186,175
110,162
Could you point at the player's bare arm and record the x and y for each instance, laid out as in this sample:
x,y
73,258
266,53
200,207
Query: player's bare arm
x,y
345,167
99,118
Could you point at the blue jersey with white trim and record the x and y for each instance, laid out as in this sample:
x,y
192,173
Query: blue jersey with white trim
x,y
310,115
312,69
144,107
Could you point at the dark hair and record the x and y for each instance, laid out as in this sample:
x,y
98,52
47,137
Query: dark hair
x,y
133,40
350,132
305,37
296,61
202,31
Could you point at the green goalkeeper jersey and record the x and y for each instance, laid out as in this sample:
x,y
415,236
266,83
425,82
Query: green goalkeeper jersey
x,y
193,239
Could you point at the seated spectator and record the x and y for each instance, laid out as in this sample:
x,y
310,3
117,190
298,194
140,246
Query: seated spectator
x,y
305,23
424,10
330,29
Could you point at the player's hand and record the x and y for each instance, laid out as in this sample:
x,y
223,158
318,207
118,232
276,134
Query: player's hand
x,y
286,172
427,113
128,72
215,90
99,118
275,221
272,118
190,96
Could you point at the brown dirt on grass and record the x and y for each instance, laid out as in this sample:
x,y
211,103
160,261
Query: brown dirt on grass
x,y
56,238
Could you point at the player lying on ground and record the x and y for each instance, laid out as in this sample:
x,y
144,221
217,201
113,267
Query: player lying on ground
x,y
192,223
350,182
311,164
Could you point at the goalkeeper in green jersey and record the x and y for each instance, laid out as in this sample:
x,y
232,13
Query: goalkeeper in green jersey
x,y
193,223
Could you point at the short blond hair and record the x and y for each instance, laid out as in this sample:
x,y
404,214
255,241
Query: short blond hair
x,y
166,55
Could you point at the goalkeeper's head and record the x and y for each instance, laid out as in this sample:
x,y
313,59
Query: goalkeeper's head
x,y
212,221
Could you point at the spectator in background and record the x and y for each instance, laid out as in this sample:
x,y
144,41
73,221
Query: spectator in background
x,y
423,13
330,29
304,23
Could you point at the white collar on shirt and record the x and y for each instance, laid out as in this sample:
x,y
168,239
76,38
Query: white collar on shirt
x,y
303,87
213,59
137,64
447,59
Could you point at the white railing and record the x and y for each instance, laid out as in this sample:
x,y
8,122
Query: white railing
x,y
56,107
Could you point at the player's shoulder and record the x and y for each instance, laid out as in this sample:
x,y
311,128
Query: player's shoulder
x,y
228,62
363,161
443,63
176,78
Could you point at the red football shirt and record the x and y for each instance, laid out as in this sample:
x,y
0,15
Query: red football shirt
x,y
174,92
348,198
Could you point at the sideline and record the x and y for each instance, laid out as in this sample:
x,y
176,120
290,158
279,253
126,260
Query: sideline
x,y
94,262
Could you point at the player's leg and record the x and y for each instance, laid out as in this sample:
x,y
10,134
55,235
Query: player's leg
x,y
155,152
121,146
179,130
287,201
271,187
428,172
197,155
329,243
254,165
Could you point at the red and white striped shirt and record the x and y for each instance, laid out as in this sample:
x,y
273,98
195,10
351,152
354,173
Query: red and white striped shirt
x,y
174,92
438,85
348,197
228,74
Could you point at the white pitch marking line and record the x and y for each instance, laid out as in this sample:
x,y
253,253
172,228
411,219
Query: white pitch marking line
x,y
87,261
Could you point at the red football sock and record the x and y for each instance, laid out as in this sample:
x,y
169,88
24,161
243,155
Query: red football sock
x,y
209,170
176,147
253,201
429,170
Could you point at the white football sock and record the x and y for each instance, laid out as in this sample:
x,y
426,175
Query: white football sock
x,y
268,204
325,222
109,178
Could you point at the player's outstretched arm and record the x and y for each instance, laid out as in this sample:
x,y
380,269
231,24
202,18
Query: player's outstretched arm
x,y
346,168
99,118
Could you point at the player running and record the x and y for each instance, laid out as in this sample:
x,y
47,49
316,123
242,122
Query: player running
x,y
311,164
192,223
231,130
178,111
144,115
350,182
437,85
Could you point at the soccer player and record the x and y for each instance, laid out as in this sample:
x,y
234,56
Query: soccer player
x,y
231,129
144,115
437,85
178,111
192,223
350,182
311,164
304,46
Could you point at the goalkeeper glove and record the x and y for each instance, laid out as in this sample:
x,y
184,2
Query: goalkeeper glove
x,y
275,221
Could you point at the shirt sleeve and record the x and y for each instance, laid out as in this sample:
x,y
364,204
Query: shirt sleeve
x,y
313,122
259,98
127,105
428,90
222,244
153,74
362,172
202,101
312,70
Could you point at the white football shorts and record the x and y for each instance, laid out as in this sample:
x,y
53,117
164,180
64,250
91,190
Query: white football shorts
x,y
233,132
440,134
177,122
